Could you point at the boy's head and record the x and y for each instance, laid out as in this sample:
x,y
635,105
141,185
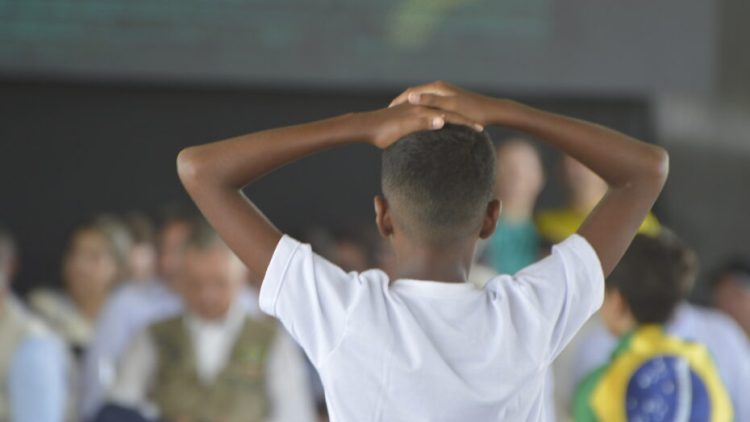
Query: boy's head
x,y
211,276
439,186
649,282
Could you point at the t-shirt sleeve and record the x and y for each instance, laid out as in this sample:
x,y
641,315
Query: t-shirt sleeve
x,y
552,299
310,296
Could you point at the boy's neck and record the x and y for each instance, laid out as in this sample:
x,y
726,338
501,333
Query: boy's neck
x,y
420,262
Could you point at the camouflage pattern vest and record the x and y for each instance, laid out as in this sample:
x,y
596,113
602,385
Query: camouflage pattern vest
x,y
237,394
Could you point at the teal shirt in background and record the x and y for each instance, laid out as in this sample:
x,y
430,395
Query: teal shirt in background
x,y
514,246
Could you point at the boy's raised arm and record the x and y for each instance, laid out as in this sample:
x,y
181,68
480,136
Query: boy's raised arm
x,y
635,171
214,174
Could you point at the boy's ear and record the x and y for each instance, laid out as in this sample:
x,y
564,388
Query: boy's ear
x,y
491,215
383,216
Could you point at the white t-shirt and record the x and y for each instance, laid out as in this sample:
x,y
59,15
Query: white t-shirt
x,y
431,351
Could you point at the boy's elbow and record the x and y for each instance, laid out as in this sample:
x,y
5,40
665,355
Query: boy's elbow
x,y
661,164
656,166
188,166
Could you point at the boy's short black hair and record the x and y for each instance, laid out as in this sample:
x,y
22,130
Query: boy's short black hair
x,y
653,276
438,183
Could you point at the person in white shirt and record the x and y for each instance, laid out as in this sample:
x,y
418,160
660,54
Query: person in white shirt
x,y
425,345
214,362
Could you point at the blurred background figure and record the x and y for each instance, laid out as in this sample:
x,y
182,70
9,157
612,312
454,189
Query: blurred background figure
x,y
33,361
731,291
142,259
134,306
650,287
652,375
212,362
520,179
584,189
94,262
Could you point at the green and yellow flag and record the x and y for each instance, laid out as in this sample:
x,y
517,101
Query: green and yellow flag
x,y
653,376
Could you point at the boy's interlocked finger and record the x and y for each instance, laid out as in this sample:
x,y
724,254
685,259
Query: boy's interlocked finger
x,y
438,119
445,102
438,88
459,119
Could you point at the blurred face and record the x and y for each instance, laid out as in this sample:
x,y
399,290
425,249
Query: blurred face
x,y
172,240
142,261
519,173
210,280
89,266
733,297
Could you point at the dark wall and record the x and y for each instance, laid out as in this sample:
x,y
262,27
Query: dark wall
x,y
70,150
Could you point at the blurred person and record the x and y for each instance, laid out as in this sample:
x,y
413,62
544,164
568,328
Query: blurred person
x,y
94,262
142,259
731,292
585,189
132,307
425,344
520,179
135,306
653,373
212,362
33,360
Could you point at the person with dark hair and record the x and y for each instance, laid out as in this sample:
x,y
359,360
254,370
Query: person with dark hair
x,y
94,262
423,344
33,360
439,197
730,291
719,333
212,361
652,375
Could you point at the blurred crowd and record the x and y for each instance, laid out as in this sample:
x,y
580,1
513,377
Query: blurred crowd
x,y
157,321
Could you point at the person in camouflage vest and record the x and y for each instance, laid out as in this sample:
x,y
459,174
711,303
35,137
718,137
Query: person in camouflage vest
x,y
213,363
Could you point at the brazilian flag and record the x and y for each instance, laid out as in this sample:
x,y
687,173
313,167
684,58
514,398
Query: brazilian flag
x,y
653,376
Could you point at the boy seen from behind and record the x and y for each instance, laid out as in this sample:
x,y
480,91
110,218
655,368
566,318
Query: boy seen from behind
x,y
425,345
